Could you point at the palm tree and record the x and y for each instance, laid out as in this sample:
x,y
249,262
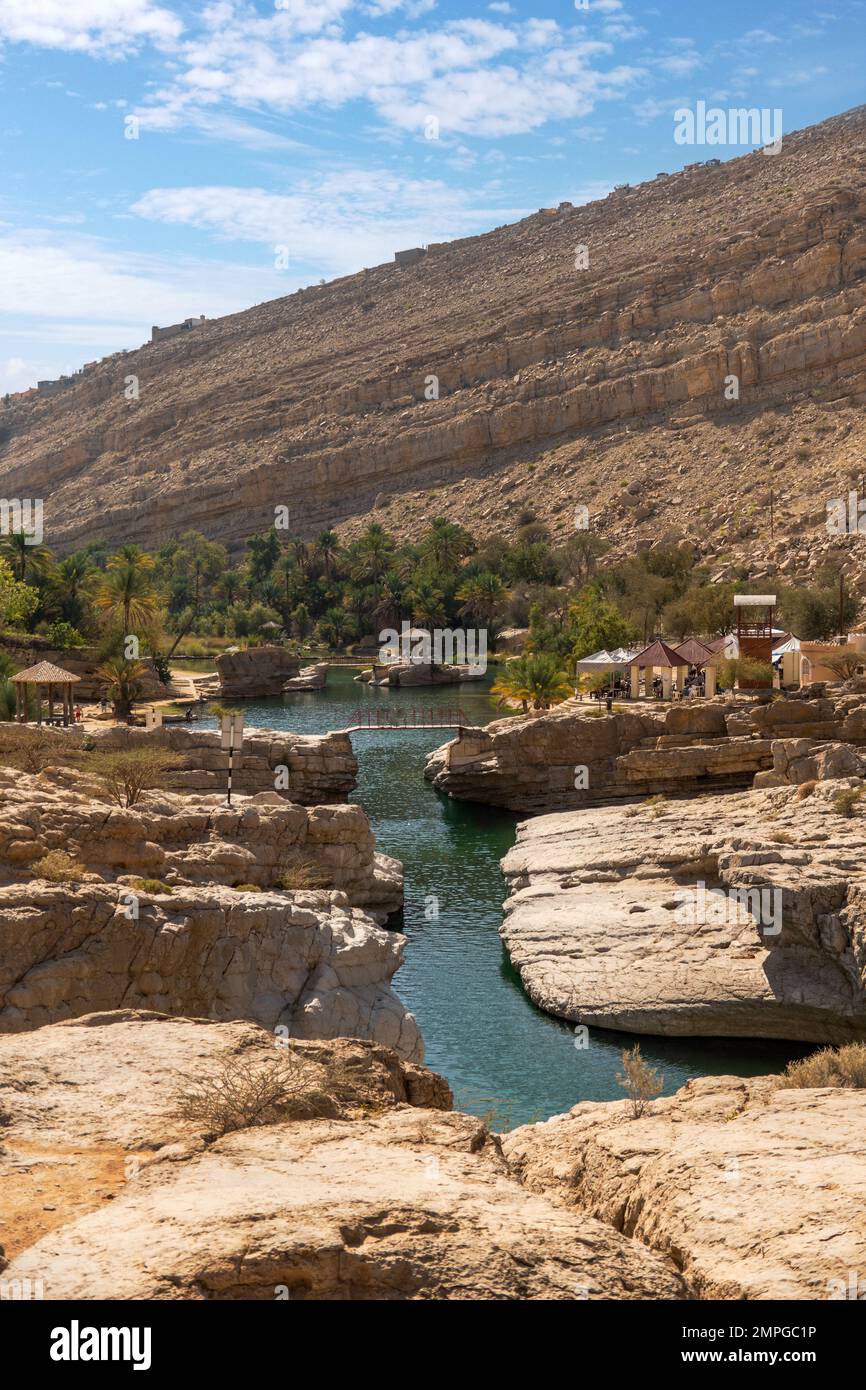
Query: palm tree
x,y
122,680
327,548
126,594
375,552
229,585
132,556
536,679
71,580
388,599
25,558
482,596
446,543
427,603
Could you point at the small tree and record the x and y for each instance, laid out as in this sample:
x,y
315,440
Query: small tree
x,y
129,772
845,665
744,668
122,680
639,1080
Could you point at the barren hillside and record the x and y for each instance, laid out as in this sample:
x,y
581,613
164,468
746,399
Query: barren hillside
x,y
559,386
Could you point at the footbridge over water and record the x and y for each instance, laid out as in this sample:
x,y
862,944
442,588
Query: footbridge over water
x,y
399,720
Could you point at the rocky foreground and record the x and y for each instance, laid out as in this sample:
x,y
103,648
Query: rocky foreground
x,y
753,1192
366,1185
371,1188
608,924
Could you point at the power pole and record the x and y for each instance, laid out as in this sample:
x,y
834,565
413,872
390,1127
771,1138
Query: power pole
x,y
771,513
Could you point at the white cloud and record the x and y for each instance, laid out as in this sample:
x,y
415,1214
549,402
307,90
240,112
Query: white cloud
x,y
64,300
106,28
477,76
352,218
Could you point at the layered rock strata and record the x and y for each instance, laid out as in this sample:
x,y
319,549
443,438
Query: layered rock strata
x,y
742,915
573,756
256,673
753,269
305,768
306,962
185,840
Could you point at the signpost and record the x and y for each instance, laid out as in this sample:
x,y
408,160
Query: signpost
x,y
152,719
231,736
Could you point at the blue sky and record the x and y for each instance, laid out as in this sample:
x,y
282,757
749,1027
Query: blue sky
x,y
281,143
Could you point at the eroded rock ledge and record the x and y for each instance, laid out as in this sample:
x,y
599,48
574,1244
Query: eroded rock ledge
x,y
182,905
529,763
386,1195
754,1192
600,921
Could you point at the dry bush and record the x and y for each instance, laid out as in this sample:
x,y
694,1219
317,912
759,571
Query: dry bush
x,y
303,874
31,750
247,888
639,1080
781,837
244,1093
129,772
832,1066
59,867
805,789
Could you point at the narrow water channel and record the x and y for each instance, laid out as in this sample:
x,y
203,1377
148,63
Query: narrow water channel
x,y
503,1057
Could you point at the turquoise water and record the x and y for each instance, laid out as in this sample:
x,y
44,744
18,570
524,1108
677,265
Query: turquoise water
x,y
503,1057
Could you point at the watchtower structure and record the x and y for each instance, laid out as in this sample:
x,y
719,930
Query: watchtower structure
x,y
755,632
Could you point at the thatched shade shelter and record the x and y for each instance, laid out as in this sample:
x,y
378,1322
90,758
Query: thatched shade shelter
x,y
43,673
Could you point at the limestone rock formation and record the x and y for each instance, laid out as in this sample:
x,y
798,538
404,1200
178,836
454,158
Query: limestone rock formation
x,y
530,763
387,1195
307,768
754,1192
305,961
186,840
613,917
557,386
256,672
313,677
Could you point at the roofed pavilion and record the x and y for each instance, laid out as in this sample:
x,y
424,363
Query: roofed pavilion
x,y
44,673
658,656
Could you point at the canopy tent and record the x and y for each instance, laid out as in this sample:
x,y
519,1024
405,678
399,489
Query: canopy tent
x,y
787,643
44,673
604,660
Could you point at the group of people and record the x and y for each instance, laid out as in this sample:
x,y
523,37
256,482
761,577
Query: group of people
x,y
620,688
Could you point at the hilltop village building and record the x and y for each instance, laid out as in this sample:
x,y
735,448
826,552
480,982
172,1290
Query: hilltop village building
x,y
157,335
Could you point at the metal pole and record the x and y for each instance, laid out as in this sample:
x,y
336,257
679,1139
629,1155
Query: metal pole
x,y
231,759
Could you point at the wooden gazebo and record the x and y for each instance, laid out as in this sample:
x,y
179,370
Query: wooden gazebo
x,y
43,673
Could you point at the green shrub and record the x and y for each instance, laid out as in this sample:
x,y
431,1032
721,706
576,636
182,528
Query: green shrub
x,y
845,802
150,885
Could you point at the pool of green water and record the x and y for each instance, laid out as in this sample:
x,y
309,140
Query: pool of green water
x,y
502,1056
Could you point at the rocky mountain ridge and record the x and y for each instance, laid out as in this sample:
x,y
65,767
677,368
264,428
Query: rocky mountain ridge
x,y
557,386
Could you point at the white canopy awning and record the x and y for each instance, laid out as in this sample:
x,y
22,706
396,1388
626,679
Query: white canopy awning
x,y
604,661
